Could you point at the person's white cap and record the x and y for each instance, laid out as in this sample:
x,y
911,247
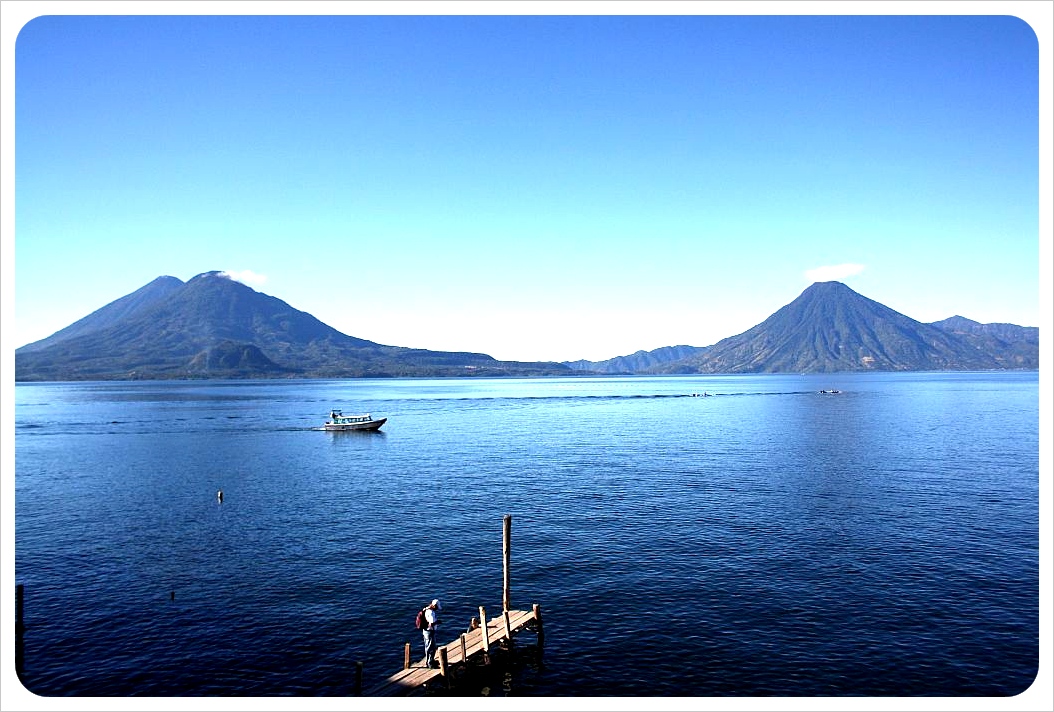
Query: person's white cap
x,y
435,602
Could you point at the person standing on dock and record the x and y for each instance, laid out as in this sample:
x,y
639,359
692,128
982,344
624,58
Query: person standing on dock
x,y
429,631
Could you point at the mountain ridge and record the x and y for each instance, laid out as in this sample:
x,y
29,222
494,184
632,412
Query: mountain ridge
x,y
111,313
215,327
831,328
637,361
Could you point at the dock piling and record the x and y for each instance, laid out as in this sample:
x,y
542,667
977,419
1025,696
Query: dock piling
x,y
406,657
443,666
506,541
20,627
483,629
358,678
541,628
20,604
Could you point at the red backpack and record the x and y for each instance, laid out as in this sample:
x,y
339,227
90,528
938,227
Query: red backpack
x,y
421,623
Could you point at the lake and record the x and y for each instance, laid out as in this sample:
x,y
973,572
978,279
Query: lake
x,y
765,539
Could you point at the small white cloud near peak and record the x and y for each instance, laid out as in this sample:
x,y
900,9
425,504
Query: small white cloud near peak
x,y
245,276
832,273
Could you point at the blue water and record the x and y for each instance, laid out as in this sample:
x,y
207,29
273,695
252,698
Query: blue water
x,y
767,540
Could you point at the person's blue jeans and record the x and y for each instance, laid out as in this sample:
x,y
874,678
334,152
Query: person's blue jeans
x,y
430,646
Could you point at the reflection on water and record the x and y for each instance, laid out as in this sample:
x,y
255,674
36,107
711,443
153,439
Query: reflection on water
x,y
768,540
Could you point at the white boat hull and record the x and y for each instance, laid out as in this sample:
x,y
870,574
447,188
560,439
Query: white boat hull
x,y
364,425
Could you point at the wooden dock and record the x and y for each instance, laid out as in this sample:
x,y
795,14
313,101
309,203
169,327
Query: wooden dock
x,y
474,643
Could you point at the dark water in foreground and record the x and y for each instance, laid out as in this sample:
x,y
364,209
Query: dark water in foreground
x,y
769,540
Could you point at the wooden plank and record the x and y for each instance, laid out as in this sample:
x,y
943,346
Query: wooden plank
x,y
405,681
496,631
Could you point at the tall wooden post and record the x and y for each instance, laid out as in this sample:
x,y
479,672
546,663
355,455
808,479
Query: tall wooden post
x,y
20,627
484,629
464,648
358,677
406,657
541,629
506,559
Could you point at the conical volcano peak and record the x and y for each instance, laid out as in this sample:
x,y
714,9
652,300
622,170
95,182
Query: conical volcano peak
x,y
213,274
218,282
828,294
829,327
826,288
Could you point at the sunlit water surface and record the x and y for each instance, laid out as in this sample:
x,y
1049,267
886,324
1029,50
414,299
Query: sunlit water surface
x,y
765,540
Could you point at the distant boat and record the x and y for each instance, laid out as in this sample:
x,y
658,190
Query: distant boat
x,y
338,421
833,391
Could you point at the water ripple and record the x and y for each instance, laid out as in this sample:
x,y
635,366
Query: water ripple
x,y
883,542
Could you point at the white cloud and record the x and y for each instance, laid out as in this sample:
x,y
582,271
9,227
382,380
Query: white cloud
x,y
833,272
246,276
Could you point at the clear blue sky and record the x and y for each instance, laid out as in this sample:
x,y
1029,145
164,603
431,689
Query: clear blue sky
x,y
534,188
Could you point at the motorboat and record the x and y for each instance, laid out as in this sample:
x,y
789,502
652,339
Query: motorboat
x,y
339,422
